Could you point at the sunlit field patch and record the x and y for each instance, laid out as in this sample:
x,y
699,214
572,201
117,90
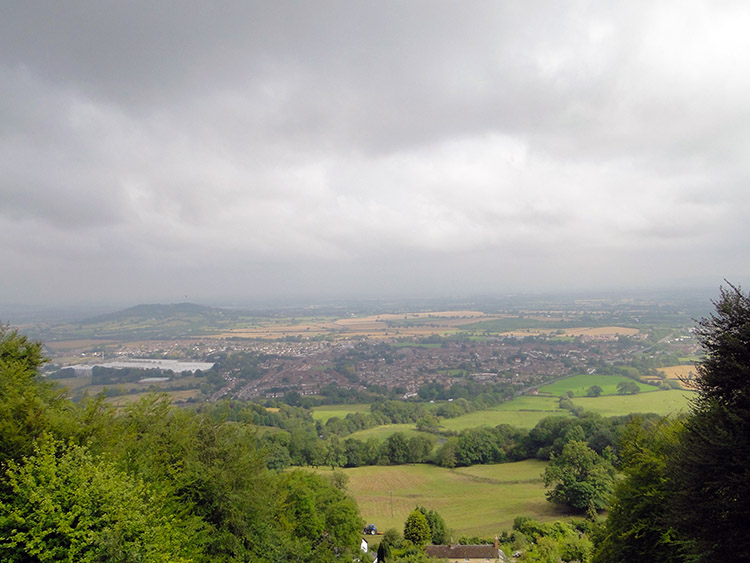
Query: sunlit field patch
x,y
325,412
660,402
479,500
579,384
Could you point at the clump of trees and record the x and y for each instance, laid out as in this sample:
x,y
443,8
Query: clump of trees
x,y
64,504
552,541
483,445
438,529
547,438
579,478
416,528
628,388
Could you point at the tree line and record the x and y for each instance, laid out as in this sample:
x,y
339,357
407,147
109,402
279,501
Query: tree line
x,y
301,441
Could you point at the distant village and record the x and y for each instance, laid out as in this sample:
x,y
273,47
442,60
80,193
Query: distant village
x,y
263,369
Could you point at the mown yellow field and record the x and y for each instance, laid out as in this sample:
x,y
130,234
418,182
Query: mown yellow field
x,y
268,335
56,345
677,372
373,326
593,332
414,325
444,319
680,373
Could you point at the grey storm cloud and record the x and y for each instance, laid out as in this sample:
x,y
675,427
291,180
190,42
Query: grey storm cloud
x,y
229,150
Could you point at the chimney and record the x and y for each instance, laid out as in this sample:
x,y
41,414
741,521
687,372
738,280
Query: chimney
x,y
497,546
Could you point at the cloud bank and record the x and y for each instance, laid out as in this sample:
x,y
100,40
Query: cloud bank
x,y
238,150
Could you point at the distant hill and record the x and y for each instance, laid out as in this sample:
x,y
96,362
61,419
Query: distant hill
x,y
149,321
159,311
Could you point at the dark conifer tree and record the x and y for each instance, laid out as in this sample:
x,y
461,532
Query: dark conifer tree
x,y
711,469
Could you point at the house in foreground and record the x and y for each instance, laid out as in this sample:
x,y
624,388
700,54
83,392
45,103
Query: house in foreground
x,y
467,553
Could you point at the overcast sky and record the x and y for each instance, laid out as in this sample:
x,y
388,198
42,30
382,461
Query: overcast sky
x,y
234,151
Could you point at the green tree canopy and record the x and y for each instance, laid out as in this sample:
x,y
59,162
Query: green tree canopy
x,y
214,470
628,388
438,529
68,506
396,448
594,391
711,468
638,528
29,406
319,516
579,477
416,528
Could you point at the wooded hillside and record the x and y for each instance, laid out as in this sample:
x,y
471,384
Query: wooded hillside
x,y
152,483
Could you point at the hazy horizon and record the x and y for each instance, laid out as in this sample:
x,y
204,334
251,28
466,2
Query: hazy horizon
x,y
695,301
244,152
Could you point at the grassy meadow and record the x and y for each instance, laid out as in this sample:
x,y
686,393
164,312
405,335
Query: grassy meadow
x,y
524,412
480,500
659,402
323,413
578,384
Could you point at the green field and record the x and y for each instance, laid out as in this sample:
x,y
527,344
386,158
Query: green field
x,y
480,500
323,413
578,384
524,412
659,402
